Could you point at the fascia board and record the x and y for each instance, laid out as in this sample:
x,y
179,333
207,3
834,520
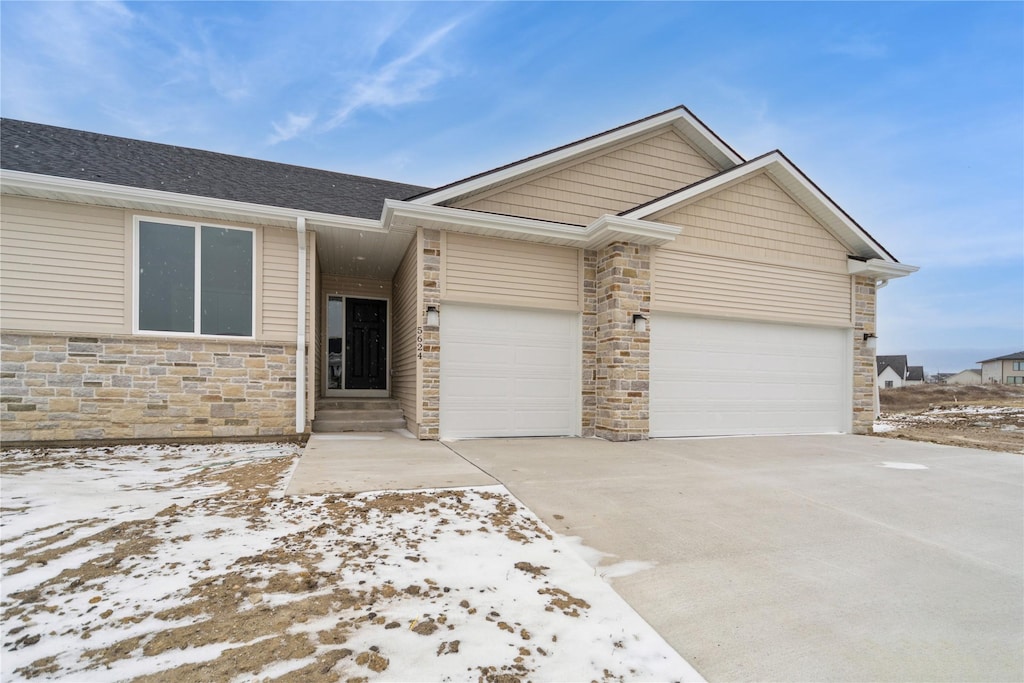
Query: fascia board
x,y
512,225
883,270
700,188
602,231
783,171
692,128
34,182
608,228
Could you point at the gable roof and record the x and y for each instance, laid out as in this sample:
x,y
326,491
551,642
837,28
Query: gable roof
x,y
80,155
897,363
1011,356
915,373
796,183
682,119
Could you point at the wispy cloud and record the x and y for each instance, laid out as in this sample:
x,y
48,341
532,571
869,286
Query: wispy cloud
x,y
293,125
401,81
859,47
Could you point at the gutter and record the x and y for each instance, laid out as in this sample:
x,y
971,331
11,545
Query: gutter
x,y
300,347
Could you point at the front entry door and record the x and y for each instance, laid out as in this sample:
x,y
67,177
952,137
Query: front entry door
x,y
357,345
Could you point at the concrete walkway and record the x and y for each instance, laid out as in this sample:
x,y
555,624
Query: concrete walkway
x,y
798,558
356,462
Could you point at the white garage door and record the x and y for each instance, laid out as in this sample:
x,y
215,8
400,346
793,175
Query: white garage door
x,y
509,372
718,377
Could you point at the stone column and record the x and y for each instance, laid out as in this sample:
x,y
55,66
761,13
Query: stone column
x,y
428,342
622,367
589,350
864,369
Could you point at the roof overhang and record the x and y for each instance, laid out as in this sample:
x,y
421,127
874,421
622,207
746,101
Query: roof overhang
x,y
680,118
124,196
358,247
601,232
880,270
775,164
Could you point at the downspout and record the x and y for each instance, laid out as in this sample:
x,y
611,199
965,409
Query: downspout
x,y
300,343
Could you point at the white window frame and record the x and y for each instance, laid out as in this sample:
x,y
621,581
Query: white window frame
x,y
198,274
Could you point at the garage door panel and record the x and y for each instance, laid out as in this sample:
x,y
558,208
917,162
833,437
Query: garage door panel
x,y
509,372
725,377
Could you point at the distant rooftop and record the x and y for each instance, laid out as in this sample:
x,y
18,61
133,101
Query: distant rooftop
x,y
1011,356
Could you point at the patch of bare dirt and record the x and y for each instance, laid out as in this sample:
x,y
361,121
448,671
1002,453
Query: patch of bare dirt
x,y
988,417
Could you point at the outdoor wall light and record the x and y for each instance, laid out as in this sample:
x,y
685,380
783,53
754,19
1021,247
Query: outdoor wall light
x,y
870,341
639,322
433,316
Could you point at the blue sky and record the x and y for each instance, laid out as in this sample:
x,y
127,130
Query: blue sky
x,y
910,115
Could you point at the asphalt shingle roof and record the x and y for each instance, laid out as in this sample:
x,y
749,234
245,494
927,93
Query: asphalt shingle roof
x,y
1010,356
897,363
67,153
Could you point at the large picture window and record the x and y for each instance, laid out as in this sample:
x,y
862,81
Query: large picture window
x,y
194,279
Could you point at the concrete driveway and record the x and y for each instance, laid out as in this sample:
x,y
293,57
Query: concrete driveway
x,y
798,558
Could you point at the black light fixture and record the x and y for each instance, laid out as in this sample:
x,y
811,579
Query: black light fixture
x,y
639,322
870,341
433,316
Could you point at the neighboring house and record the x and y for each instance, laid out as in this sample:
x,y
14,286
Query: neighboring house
x,y
645,281
1007,369
968,376
915,375
893,372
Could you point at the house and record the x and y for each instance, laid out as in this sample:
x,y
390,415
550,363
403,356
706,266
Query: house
x,y
893,372
968,376
1008,369
646,281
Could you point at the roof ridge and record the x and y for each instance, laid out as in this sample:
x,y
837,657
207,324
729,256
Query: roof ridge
x,y
559,148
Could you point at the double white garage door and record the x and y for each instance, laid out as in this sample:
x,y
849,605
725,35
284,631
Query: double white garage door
x,y
516,372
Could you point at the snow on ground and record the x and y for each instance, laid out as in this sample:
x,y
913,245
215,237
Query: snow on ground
x,y
188,563
1010,418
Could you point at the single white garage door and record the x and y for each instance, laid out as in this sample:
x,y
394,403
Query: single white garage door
x,y
509,372
720,377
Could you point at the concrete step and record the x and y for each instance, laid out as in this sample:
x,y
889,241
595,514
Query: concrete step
x,y
348,424
357,415
357,404
364,414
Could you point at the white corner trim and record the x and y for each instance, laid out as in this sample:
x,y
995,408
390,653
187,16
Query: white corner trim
x,y
300,336
604,230
880,270
684,122
34,182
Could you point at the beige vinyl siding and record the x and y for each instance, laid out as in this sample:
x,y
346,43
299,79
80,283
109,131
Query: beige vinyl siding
x,y
63,267
500,271
280,288
404,320
755,220
605,182
725,287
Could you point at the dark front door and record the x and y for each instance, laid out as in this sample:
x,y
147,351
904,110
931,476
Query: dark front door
x,y
366,344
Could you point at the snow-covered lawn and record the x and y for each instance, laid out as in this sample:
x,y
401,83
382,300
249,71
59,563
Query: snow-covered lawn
x,y
1010,418
188,564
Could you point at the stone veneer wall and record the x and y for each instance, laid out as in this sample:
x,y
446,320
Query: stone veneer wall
x,y
622,377
589,350
58,388
864,368
428,342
